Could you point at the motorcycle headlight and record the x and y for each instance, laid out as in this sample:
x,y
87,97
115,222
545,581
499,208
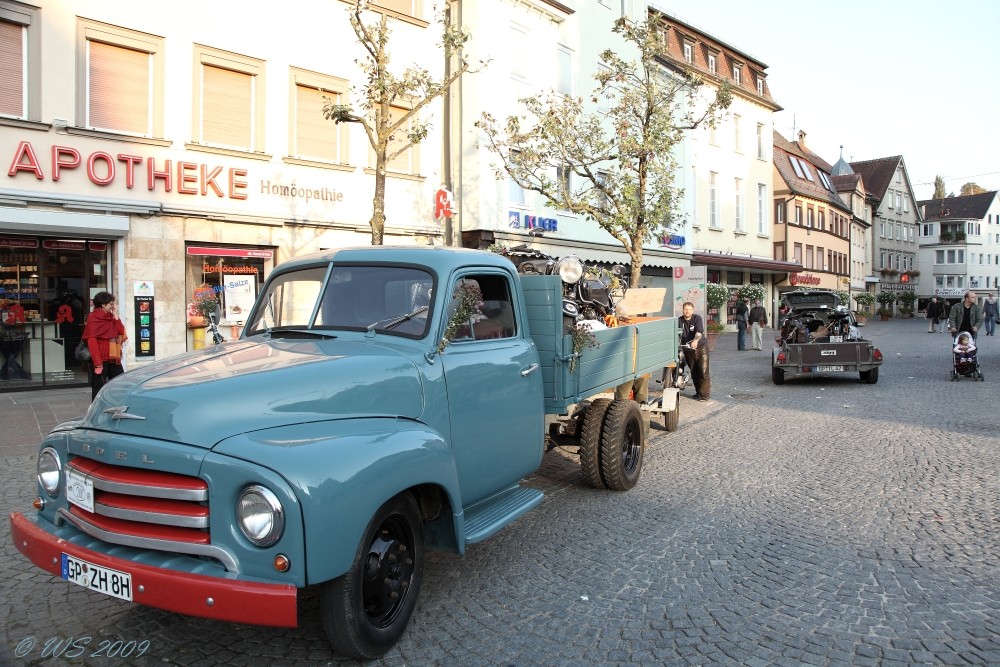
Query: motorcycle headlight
x,y
49,471
260,515
570,269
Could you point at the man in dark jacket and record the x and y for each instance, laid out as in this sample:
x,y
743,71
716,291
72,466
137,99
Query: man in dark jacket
x,y
695,348
742,321
933,314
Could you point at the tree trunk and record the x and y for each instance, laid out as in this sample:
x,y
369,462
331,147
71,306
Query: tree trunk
x,y
377,222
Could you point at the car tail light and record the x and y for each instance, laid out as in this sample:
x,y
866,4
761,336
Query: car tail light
x,y
876,355
781,357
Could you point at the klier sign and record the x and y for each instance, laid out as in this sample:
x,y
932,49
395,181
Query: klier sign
x,y
803,279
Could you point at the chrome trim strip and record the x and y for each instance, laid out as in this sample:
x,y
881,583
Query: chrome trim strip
x,y
227,559
146,491
151,517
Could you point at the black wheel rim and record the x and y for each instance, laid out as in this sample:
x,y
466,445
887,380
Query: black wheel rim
x,y
632,447
388,571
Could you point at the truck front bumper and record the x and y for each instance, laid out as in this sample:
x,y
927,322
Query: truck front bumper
x,y
233,600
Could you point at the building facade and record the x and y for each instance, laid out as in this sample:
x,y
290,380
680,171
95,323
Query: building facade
x,y
812,221
153,155
960,246
851,188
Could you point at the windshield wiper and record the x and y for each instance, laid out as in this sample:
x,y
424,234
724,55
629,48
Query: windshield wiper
x,y
391,322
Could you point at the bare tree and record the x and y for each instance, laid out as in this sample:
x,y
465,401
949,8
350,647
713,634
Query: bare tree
x,y
624,160
390,135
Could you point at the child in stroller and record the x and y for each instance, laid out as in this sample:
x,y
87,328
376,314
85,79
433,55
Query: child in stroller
x,y
965,358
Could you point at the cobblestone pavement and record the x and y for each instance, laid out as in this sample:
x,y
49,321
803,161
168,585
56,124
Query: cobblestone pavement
x,y
823,522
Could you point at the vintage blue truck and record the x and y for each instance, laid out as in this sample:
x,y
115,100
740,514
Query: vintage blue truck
x,y
379,401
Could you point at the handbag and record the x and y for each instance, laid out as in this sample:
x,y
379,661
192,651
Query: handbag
x,y
82,352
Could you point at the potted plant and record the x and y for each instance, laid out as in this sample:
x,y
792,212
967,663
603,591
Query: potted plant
x,y
906,298
864,301
201,308
886,300
752,292
843,298
712,331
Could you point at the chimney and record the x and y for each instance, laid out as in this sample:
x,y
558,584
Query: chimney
x,y
802,139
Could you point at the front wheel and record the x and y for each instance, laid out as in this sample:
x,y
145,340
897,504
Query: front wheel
x,y
365,610
622,445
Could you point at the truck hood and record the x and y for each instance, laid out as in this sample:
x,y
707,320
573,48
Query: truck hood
x,y
205,396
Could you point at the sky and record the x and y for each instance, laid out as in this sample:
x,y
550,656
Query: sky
x,y
878,77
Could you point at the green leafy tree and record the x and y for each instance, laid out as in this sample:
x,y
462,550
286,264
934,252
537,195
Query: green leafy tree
x,y
622,163
939,191
413,89
971,189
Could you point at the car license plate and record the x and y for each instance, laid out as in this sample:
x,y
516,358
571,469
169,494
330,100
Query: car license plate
x,y
79,490
827,369
96,578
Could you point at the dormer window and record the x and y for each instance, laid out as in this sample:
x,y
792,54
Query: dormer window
x,y
688,53
760,86
711,63
736,75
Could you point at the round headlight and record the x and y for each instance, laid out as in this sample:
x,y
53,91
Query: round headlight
x,y
260,515
570,269
49,471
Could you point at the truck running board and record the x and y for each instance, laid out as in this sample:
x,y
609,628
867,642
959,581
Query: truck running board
x,y
491,514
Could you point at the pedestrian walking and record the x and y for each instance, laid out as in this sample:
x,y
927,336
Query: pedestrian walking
x,y
742,320
990,313
105,335
758,322
933,314
693,343
966,315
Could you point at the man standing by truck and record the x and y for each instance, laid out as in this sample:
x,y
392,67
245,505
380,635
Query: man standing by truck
x,y
692,330
758,320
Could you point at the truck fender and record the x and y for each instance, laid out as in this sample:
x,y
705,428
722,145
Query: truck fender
x,y
343,471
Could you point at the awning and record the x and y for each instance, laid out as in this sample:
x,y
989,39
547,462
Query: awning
x,y
761,264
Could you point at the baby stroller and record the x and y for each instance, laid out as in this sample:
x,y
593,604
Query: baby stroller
x,y
965,359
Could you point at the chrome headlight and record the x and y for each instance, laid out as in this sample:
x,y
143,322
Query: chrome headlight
x,y
260,515
570,269
49,471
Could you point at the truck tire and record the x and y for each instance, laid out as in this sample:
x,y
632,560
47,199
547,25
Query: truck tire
x,y
590,442
777,375
622,445
870,376
365,610
672,419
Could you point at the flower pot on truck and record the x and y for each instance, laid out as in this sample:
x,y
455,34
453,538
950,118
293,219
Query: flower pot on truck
x,y
379,402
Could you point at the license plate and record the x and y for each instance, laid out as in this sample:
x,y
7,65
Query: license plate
x,y
79,490
827,369
96,578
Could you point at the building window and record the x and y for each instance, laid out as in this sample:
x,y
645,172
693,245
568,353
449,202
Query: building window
x,y
229,100
795,166
565,83
407,7
797,253
779,213
20,60
736,74
737,122
313,136
122,80
811,218
760,86
688,53
564,176
713,201
711,63
822,220
761,208
798,215
809,257
408,160
515,193
761,155
520,53
740,218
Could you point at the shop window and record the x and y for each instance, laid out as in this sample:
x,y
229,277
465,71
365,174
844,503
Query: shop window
x,y
232,275
122,74
229,100
313,137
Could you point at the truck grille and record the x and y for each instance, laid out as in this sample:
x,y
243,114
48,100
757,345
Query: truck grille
x,y
138,504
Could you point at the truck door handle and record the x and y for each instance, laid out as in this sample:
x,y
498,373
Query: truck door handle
x,y
529,370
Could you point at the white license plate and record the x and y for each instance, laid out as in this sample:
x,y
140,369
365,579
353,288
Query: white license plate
x,y
96,578
827,369
79,490
836,339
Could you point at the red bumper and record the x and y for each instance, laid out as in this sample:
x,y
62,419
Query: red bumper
x,y
181,592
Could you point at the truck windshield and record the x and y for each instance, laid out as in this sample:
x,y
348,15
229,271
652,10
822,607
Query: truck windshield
x,y
390,299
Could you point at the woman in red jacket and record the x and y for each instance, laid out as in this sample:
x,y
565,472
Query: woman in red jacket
x,y
104,334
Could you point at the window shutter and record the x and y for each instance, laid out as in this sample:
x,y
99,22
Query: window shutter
x,y
118,89
401,6
315,136
11,69
227,108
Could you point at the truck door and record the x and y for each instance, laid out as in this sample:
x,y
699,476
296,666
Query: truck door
x,y
494,388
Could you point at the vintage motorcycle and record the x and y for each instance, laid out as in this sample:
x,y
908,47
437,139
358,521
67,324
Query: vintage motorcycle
x,y
589,292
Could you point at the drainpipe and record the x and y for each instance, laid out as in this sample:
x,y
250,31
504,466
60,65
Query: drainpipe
x,y
446,167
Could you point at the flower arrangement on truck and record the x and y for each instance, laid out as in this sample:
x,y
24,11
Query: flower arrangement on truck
x,y
379,401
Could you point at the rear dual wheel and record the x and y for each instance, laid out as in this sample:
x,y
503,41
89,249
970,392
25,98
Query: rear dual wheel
x,y
623,444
